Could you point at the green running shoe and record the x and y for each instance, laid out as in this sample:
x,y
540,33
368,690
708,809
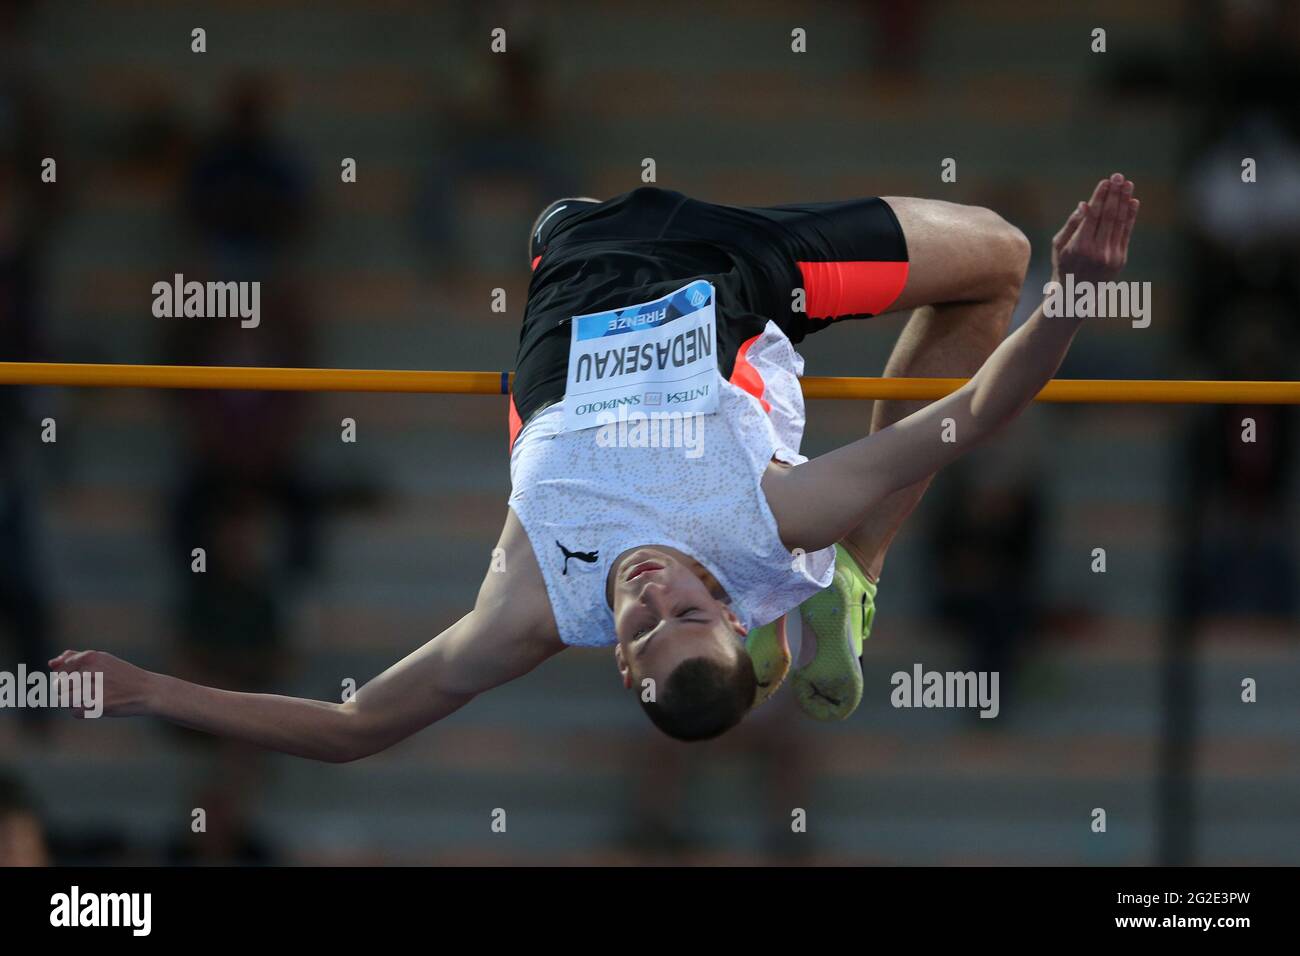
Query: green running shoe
x,y
829,687
769,649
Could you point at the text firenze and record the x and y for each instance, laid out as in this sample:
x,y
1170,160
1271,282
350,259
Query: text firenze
x,y
678,352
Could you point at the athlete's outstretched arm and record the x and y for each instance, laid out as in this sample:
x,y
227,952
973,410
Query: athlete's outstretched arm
x,y
818,502
496,642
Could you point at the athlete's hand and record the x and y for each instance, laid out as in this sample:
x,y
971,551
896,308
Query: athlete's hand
x,y
126,687
1093,243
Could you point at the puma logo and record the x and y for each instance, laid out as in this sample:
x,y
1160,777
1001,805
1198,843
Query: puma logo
x,y
589,557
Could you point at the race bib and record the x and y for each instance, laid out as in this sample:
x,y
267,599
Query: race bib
x,y
658,356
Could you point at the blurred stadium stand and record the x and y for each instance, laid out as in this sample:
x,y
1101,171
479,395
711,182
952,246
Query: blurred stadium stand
x,y
396,271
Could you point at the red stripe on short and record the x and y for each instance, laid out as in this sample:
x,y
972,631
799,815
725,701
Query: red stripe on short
x,y
836,289
536,259
745,376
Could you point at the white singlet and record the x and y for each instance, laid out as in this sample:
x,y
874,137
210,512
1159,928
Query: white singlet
x,y
586,497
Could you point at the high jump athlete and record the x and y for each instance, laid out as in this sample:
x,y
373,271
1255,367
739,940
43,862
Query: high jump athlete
x,y
688,562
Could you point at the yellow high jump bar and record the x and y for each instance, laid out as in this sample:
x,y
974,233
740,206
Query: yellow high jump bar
x,y
1140,391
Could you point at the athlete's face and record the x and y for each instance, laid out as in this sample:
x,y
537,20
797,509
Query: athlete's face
x,y
665,613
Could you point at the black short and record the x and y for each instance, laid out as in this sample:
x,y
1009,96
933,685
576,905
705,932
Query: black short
x,y
803,266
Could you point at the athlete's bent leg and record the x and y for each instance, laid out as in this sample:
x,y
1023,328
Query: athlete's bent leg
x,y
967,267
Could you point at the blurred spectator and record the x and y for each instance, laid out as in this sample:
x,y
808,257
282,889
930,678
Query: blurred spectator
x,y
28,212
1243,237
22,836
247,442
25,615
229,836
248,199
1243,559
232,623
899,33
1251,47
1243,248
1237,216
986,551
246,194
499,132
